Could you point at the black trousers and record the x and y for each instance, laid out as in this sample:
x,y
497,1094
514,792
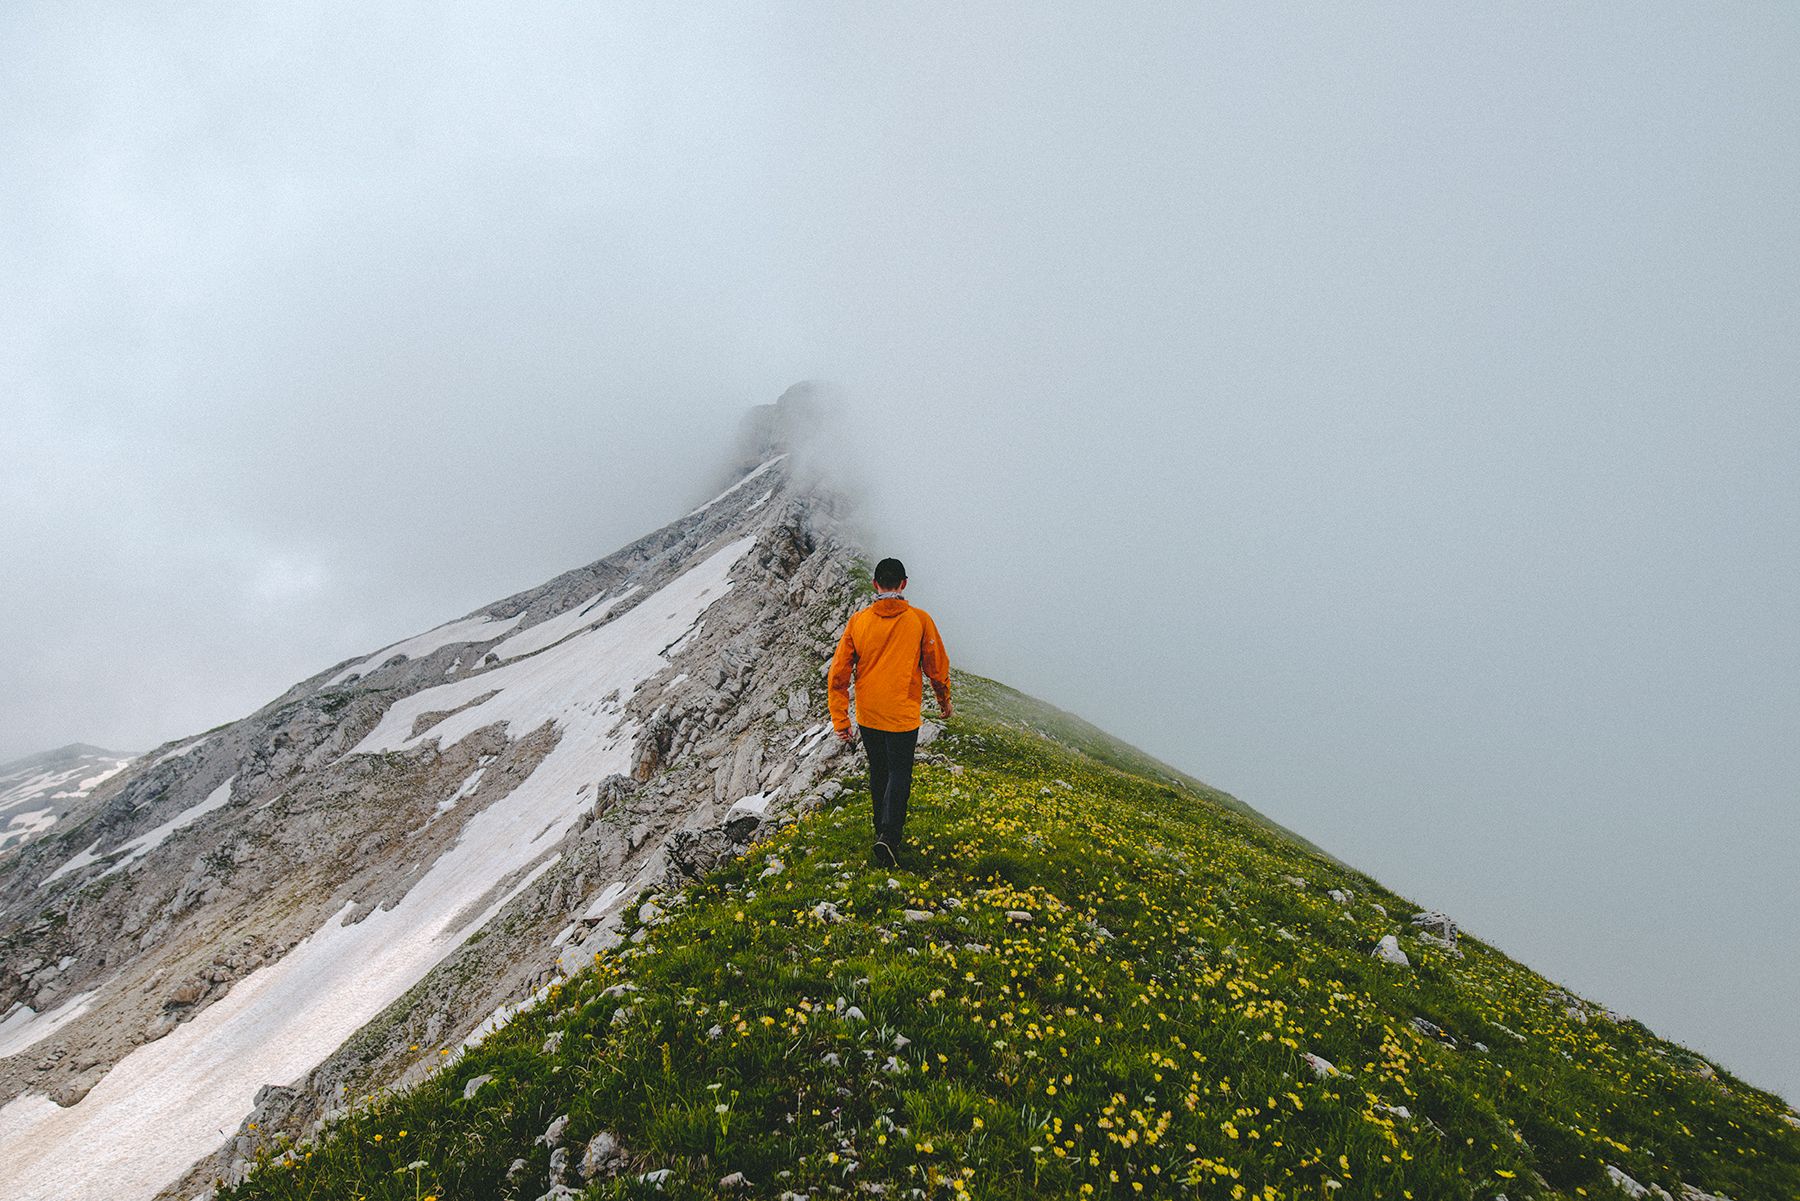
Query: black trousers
x,y
890,778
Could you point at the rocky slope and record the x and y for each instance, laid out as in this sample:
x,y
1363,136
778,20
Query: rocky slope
x,y
262,922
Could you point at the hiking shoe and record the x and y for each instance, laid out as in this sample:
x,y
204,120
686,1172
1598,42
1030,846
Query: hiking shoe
x,y
884,855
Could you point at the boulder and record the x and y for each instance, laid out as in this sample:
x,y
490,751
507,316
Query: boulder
x,y
602,1156
72,1090
613,790
1388,951
186,993
1435,924
1690,1193
553,1134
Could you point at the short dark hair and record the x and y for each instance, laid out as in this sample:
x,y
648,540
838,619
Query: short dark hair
x,y
889,573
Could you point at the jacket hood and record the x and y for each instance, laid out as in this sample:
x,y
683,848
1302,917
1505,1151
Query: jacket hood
x,y
890,606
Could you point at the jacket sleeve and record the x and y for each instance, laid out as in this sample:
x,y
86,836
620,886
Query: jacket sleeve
x,y
837,684
935,660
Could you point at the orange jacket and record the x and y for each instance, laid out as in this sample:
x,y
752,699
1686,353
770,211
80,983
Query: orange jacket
x,y
885,646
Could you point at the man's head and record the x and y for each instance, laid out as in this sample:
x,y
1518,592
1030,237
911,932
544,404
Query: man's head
x,y
890,574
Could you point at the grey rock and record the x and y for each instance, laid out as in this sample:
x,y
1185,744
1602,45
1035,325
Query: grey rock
x,y
186,993
73,1089
602,1156
1321,1067
1388,951
474,1085
1436,924
553,1134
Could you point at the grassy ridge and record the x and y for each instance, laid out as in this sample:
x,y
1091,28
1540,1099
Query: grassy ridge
x,y
991,701
1086,983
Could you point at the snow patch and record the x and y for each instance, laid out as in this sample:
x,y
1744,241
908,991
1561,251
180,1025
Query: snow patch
x,y
186,748
809,731
721,496
26,826
148,841
468,789
74,865
756,802
92,782
24,1026
553,630
606,900
480,628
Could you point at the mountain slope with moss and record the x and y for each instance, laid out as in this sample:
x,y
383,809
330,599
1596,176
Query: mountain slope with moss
x,y
1091,976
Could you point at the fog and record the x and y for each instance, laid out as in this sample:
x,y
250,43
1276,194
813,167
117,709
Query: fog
x,y
1387,416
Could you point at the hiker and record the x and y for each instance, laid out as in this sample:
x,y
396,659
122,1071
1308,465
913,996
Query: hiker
x,y
886,647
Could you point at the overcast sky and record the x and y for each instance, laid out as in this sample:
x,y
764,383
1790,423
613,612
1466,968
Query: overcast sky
x,y
1391,415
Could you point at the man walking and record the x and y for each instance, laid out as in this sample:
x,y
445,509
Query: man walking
x,y
887,647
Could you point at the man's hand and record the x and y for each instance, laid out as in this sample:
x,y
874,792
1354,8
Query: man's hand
x,y
948,710
845,736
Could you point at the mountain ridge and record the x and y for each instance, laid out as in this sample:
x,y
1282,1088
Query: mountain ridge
x,y
1083,982
262,928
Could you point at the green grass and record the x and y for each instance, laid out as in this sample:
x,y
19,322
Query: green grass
x,y
1140,1035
